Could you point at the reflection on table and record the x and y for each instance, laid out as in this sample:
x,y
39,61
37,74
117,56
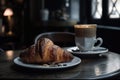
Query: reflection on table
x,y
94,67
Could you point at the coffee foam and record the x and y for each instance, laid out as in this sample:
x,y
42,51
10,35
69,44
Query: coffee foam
x,y
85,30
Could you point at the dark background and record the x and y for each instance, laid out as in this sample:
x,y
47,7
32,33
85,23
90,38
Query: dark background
x,y
28,25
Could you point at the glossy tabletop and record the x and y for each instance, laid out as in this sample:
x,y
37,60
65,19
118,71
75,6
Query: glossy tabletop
x,y
98,67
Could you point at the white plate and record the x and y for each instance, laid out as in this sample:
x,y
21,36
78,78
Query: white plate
x,y
97,50
74,62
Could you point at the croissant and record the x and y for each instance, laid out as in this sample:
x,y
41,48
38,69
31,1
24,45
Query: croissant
x,y
45,52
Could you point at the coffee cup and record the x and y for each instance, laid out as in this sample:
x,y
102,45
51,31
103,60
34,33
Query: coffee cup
x,y
85,37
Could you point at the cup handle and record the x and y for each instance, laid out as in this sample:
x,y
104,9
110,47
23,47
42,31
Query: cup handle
x,y
100,40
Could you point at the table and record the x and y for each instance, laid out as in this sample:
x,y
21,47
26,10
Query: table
x,y
99,67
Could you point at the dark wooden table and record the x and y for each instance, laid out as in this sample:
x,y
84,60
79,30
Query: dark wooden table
x,y
97,67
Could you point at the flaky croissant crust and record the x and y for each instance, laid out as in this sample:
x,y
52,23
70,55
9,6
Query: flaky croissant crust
x,y
45,51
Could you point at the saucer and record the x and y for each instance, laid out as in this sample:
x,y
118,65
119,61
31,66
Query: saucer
x,y
74,62
97,50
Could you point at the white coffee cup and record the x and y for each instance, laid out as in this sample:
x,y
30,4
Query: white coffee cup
x,y
85,36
